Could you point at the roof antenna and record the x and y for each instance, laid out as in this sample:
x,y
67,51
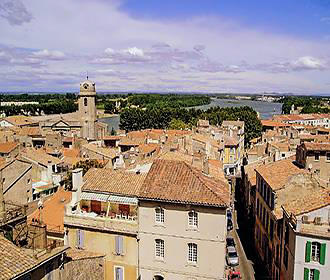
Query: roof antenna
x,y
87,75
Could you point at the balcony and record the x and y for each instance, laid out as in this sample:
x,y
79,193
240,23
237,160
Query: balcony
x,y
104,216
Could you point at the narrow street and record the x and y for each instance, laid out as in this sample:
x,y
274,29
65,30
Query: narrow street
x,y
245,266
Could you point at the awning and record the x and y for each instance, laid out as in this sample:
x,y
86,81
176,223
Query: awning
x,y
94,196
123,199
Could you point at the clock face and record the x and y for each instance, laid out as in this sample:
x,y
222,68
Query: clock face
x,y
85,86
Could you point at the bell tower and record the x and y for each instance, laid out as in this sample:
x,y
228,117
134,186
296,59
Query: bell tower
x,y
87,109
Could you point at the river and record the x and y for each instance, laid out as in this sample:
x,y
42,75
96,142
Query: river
x,y
265,109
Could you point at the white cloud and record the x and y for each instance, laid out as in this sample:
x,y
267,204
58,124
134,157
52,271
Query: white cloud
x,y
134,51
143,51
48,54
15,12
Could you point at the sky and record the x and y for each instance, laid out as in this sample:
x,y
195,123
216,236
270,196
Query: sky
x,y
211,46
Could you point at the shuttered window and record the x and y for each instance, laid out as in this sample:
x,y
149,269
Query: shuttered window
x,y
316,248
119,245
306,274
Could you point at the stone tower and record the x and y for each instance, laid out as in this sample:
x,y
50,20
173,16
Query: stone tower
x,y
87,109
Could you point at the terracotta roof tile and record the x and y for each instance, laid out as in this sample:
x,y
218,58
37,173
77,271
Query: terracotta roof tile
x,y
78,254
278,173
308,202
317,146
178,182
113,181
40,156
272,123
53,211
107,152
14,260
8,147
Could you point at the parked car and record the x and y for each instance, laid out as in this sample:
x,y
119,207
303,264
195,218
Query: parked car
x,y
230,242
229,225
232,257
229,215
234,275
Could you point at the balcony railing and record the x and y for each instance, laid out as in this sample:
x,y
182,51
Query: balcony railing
x,y
113,222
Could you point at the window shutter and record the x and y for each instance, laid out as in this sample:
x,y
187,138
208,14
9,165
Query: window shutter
x,y
308,251
117,245
322,254
78,238
306,274
81,239
316,274
120,274
121,251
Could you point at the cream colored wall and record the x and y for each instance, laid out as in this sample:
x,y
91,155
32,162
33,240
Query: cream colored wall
x,y
209,237
104,243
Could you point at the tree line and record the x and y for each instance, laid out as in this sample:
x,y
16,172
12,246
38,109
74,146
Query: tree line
x,y
180,118
309,105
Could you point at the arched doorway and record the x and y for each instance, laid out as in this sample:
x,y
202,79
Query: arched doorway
x,y
158,277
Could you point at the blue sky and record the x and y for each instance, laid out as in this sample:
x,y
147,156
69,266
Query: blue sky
x,y
147,45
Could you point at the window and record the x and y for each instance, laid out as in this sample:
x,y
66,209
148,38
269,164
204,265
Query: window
x,y
119,273
85,101
80,239
119,245
317,157
311,274
159,215
316,248
193,218
159,248
328,156
192,252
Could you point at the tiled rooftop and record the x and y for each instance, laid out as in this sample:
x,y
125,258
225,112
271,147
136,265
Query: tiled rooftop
x,y
40,156
8,147
53,211
110,181
278,173
178,182
317,146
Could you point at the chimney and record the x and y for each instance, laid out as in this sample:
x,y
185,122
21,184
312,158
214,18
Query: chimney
x,y
205,165
2,201
49,171
77,182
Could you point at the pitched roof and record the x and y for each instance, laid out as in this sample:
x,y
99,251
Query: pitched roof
x,y
8,147
78,254
40,156
53,211
19,120
251,172
107,152
272,123
178,182
317,146
278,173
14,260
113,181
308,202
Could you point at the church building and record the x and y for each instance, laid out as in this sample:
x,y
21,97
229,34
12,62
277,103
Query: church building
x,y
82,123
